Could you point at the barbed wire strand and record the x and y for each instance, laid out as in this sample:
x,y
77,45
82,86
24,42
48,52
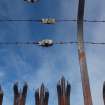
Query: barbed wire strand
x,y
56,43
57,20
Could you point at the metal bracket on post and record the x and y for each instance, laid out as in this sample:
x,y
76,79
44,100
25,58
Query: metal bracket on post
x,y
82,55
20,96
41,96
63,90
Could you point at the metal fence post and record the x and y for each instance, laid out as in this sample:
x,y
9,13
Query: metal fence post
x,y
104,92
82,55
63,90
41,96
20,96
1,95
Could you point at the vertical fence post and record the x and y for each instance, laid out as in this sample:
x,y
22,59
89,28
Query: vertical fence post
x,y
41,95
16,93
82,55
20,96
104,92
24,94
63,90
1,95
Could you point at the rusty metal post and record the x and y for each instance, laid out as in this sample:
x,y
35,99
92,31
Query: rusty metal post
x,y
1,95
41,96
63,90
104,92
82,55
20,96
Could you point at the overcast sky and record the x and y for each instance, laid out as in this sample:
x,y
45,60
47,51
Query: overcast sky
x,y
35,64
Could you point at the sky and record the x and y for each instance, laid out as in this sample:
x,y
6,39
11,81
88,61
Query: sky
x,y
35,64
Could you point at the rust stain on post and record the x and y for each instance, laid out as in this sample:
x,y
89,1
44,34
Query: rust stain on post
x,y
81,56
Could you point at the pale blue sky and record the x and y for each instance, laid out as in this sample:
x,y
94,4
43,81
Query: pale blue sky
x,y
35,64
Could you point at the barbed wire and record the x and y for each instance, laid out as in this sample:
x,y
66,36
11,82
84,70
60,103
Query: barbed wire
x,y
55,43
56,20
